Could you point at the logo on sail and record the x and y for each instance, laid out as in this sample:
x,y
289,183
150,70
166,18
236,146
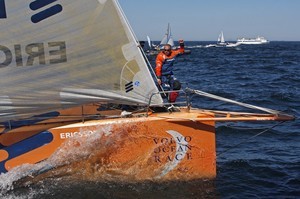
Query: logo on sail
x,y
45,13
32,54
2,9
129,87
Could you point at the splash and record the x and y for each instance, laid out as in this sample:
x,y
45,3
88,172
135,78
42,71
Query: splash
x,y
99,156
73,150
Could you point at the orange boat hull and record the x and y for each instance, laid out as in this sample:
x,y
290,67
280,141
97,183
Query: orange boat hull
x,y
130,149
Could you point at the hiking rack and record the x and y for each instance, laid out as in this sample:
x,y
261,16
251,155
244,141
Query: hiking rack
x,y
183,97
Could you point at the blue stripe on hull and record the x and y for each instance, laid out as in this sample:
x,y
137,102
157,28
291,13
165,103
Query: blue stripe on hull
x,y
26,146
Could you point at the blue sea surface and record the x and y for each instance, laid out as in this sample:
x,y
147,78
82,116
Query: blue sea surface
x,y
266,166
248,166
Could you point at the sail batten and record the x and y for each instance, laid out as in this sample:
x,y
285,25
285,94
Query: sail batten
x,y
85,53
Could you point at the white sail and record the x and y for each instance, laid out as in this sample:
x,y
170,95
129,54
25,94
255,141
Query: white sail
x,y
168,38
58,54
149,42
164,40
221,38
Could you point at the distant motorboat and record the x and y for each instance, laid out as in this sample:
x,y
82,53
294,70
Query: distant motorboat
x,y
210,45
257,40
232,44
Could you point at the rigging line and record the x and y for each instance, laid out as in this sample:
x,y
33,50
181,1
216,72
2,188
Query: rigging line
x,y
151,69
134,36
147,61
198,92
246,140
135,39
244,128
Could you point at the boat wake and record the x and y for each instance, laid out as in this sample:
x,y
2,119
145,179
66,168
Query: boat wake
x,y
195,46
87,158
88,161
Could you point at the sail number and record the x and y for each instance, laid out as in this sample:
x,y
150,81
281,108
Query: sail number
x,y
2,9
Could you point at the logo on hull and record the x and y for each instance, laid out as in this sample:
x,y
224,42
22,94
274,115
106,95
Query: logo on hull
x,y
182,151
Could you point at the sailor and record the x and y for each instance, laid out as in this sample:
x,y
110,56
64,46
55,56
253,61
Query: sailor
x,y
164,70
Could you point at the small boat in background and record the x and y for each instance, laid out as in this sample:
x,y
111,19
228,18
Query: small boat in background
x,y
221,42
167,39
221,39
257,40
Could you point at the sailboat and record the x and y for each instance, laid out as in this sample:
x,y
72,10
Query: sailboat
x,y
149,42
168,38
152,49
221,42
67,68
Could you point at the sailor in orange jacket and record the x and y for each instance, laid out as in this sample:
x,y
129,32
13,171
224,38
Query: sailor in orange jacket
x,y
164,69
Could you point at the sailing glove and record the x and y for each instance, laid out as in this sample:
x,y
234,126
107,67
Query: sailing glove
x,y
181,43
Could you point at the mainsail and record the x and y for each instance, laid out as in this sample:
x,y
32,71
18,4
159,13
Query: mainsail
x,y
60,54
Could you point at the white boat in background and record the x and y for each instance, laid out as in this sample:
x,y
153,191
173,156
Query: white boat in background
x,y
257,40
221,42
150,43
232,44
167,39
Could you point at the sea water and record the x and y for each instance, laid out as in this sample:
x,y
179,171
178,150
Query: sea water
x,y
250,164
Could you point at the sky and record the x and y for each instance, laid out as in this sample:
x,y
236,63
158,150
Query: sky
x,y
203,20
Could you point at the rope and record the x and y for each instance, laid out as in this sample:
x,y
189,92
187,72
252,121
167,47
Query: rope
x,y
232,101
244,128
246,140
151,69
